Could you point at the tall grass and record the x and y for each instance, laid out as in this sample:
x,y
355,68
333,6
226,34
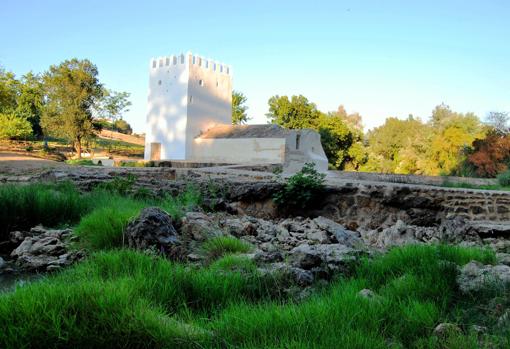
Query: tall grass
x,y
220,246
24,206
127,299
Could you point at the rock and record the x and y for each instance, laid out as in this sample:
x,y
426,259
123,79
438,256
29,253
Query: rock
x,y
457,229
323,258
153,228
339,232
299,276
503,258
367,294
445,329
3,264
199,226
475,276
45,250
268,257
478,329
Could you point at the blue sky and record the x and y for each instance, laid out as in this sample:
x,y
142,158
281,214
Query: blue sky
x,y
379,58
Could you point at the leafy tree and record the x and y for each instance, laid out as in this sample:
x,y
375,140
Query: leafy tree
x,y
239,108
123,127
491,155
499,121
30,101
294,113
72,89
112,105
8,91
14,127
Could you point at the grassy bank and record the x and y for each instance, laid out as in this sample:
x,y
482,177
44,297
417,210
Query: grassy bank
x,y
131,300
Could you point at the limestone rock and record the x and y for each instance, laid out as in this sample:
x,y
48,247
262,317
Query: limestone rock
x,y
475,276
45,250
367,294
443,330
153,228
199,226
325,258
339,232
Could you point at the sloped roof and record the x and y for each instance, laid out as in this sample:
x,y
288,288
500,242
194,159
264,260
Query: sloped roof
x,y
245,131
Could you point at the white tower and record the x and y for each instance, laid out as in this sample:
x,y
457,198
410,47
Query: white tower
x,y
188,94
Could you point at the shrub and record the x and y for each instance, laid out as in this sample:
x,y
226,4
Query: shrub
x,y
14,127
223,245
504,178
119,185
301,189
81,162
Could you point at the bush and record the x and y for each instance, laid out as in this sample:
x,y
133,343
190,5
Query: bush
x,y
14,127
504,178
302,189
81,162
223,245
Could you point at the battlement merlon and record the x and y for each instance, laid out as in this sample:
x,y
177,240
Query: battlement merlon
x,y
189,58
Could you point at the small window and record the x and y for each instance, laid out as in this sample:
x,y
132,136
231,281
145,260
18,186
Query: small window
x,y
193,60
161,62
154,64
221,69
190,99
201,82
298,139
228,70
182,59
159,82
167,61
217,84
214,66
207,64
175,60
200,62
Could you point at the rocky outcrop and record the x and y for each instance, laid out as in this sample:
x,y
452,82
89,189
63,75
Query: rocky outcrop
x,y
153,229
44,249
475,276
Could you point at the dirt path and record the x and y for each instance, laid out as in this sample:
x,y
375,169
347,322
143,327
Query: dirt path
x,y
12,163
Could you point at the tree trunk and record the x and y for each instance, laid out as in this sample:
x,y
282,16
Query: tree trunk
x,y
78,148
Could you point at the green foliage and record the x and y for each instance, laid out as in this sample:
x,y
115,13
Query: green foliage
x,y
293,113
119,185
123,299
239,108
81,162
302,189
111,105
103,228
504,178
26,206
14,127
129,299
219,246
72,90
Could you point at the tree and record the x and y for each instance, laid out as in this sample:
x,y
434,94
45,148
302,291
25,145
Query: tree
x,y
8,91
72,89
30,101
122,126
499,121
239,108
295,113
111,105
14,127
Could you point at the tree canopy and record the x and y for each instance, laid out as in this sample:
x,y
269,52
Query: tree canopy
x,y
72,89
239,108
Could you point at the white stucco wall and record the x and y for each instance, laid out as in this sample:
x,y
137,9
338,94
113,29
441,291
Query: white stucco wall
x,y
187,95
239,150
309,149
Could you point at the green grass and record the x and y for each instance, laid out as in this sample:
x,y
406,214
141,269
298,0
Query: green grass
x,y
25,206
81,162
131,300
220,246
472,186
100,215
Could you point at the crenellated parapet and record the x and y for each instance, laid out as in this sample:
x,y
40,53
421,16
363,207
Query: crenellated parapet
x,y
190,59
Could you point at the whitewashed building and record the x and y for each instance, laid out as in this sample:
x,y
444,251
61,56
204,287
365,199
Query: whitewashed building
x,y
190,113
188,94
